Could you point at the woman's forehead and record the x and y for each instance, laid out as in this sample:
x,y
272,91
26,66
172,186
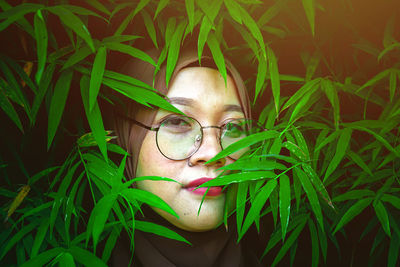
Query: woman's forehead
x,y
202,86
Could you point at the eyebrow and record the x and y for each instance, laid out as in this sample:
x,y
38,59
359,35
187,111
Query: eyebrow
x,y
190,102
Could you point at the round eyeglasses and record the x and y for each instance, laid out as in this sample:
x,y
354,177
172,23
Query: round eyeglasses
x,y
179,137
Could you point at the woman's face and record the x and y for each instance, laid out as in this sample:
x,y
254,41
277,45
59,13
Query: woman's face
x,y
200,93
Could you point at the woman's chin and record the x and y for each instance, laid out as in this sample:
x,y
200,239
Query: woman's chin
x,y
193,222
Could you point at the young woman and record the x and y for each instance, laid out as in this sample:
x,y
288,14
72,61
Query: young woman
x,y
166,144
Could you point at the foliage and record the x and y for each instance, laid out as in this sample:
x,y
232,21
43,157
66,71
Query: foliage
x,y
330,159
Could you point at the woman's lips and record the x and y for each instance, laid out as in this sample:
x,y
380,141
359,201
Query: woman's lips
x,y
212,191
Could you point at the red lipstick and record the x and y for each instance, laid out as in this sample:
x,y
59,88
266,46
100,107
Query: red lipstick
x,y
213,191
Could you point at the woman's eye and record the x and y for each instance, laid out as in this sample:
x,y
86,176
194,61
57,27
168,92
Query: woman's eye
x,y
176,124
234,130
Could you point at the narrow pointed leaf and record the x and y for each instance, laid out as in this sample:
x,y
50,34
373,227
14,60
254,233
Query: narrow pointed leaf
x,y
149,27
96,75
160,230
205,29
257,205
57,104
233,10
382,215
40,235
284,202
173,51
8,108
274,76
314,244
101,213
352,212
308,86
374,79
85,257
41,43
309,8
161,5
189,4
341,148
74,23
132,51
359,161
245,142
311,195
43,258
392,84
217,55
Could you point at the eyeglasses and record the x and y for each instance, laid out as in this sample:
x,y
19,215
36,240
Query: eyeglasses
x,y
179,137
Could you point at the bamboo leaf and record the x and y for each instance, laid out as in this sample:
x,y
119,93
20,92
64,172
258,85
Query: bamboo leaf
x,y
43,87
314,244
311,195
341,149
132,51
241,197
146,197
374,79
284,202
217,55
160,230
78,56
354,194
15,13
233,10
394,249
161,5
57,104
382,215
96,75
41,43
388,49
74,23
274,75
245,142
85,257
189,4
205,29
43,258
395,201
288,244
332,95
40,235
352,212
359,161
99,6
239,177
309,8
392,84
256,205
140,6
101,213
173,51
261,74
149,27
66,260
309,86
8,108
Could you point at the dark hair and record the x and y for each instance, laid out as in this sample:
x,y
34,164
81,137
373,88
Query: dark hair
x,y
130,136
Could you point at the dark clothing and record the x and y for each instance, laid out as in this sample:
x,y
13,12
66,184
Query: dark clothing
x,y
209,249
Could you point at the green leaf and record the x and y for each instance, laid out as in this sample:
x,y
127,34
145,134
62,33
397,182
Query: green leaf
x,y
256,205
41,43
96,75
309,8
8,108
253,164
58,103
301,142
205,29
314,244
354,194
392,84
134,52
359,161
311,195
43,258
288,244
274,75
284,202
217,55
374,79
189,4
332,95
388,49
43,87
78,56
85,257
160,230
395,201
161,5
261,73
239,177
17,238
149,27
241,197
173,51
100,215
66,260
99,6
40,235
140,6
233,10
382,215
309,86
352,212
17,12
74,23
110,244
245,142
341,148
146,197
394,249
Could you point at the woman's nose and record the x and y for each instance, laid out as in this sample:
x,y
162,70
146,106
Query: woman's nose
x,y
209,147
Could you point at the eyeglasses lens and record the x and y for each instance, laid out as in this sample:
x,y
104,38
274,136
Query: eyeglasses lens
x,y
179,137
